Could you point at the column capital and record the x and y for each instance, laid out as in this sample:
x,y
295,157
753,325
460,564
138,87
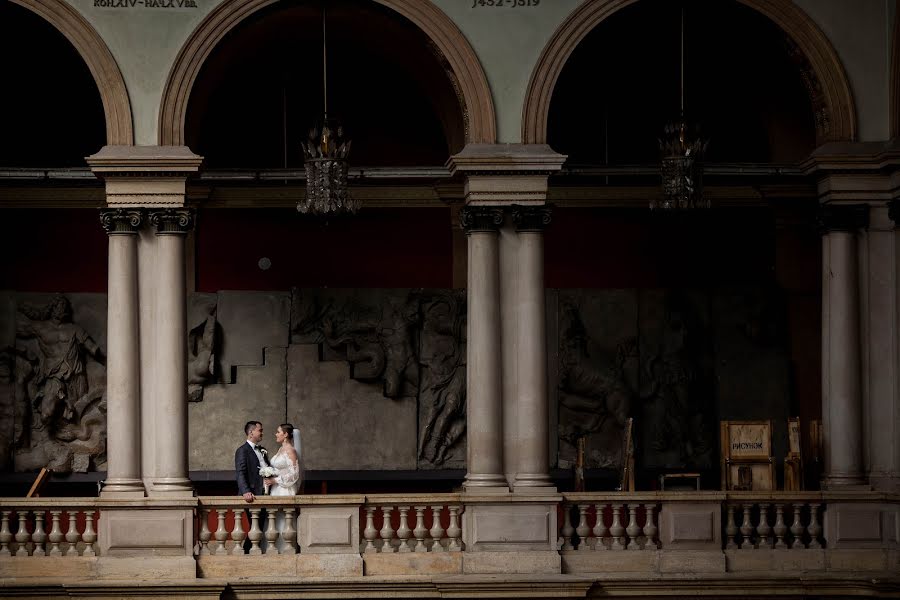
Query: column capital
x,y
121,221
531,218
170,221
481,218
842,217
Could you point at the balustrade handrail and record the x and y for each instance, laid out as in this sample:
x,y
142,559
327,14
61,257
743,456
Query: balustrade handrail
x,y
721,496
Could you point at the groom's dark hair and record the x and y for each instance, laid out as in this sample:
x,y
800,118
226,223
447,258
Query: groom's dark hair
x,y
250,426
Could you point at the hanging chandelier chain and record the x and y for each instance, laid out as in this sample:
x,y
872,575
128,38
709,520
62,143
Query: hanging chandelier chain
x,y
324,65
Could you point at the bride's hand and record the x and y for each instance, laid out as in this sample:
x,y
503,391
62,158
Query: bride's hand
x,y
269,481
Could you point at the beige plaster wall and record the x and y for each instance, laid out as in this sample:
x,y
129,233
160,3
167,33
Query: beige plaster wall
x,y
508,41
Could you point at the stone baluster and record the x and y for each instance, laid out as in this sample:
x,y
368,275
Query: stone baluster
x,y
633,530
5,534
387,532
437,532
289,533
582,530
797,528
255,534
600,529
205,534
420,532
453,530
370,533
763,530
237,533
89,536
747,529
815,530
39,536
272,533
56,534
730,528
404,532
72,535
650,529
780,528
22,535
616,530
221,532
567,530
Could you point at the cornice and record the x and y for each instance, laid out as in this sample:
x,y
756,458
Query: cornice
x,y
506,159
131,161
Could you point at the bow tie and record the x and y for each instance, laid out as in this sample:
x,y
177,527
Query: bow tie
x,y
259,448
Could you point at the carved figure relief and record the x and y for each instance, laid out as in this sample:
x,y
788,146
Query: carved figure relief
x,y
60,385
376,336
202,342
442,395
595,395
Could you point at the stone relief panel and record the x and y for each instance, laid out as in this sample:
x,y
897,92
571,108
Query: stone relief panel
x,y
374,331
442,392
204,341
677,423
58,374
597,373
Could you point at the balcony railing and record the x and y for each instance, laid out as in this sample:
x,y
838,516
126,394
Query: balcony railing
x,y
394,534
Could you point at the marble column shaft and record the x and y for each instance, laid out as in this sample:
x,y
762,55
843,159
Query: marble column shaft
x,y
483,383
842,410
123,361
171,476
533,410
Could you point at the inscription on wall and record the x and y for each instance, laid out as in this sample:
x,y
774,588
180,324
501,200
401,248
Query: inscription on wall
x,y
139,4
505,3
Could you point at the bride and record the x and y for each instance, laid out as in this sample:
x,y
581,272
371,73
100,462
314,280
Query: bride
x,y
287,462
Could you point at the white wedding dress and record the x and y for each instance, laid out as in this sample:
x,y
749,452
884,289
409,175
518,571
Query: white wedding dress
x,y
287,482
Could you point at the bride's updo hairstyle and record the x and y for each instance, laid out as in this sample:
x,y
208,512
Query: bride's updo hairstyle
x,y
288,430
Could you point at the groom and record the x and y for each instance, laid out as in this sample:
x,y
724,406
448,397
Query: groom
x,y
248,459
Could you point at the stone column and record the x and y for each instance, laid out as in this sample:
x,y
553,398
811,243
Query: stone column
x,y
841,361
171,401
123,441
484,442
533,410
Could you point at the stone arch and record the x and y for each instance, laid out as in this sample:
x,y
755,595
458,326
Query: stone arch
x,y
819,65
100,62
467,75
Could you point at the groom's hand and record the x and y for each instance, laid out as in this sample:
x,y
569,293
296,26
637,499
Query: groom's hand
x,y
249,497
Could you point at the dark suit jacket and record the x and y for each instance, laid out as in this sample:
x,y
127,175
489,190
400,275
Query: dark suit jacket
x,y
246,469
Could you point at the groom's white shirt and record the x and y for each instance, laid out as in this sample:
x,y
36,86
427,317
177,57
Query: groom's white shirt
x,y
259,455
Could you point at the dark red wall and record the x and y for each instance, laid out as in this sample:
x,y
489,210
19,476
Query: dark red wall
x,y
52,250
608,248
409,247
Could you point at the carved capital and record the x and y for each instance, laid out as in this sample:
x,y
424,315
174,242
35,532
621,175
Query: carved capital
x,y
480,218
531,218
172,220
842,217
118,221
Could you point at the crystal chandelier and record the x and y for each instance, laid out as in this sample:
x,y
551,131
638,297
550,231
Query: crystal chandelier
x,y
681,161
325,158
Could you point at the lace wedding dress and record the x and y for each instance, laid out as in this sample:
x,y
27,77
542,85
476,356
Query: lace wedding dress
x,y
287,482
